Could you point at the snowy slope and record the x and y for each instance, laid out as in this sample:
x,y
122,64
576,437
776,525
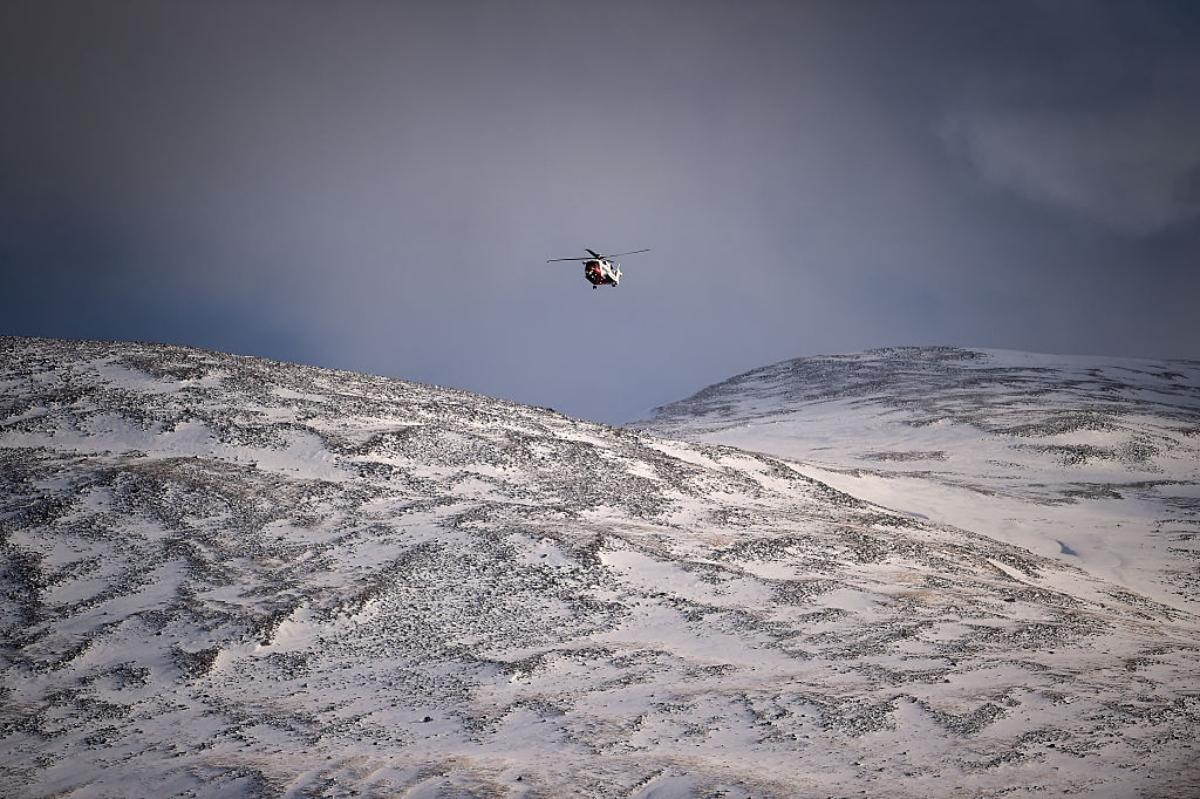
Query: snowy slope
x,y
1092,460
223,576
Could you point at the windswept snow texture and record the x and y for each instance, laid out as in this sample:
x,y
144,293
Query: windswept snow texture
x,y
223,576
1096,460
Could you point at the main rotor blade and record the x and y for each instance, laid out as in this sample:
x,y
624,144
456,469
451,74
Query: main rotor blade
x,y
595,256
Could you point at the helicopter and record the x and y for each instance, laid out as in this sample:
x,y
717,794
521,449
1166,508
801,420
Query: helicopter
x,y
599,269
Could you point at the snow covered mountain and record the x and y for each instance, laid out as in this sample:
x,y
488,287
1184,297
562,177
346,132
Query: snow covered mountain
x,y
1092,460
225,576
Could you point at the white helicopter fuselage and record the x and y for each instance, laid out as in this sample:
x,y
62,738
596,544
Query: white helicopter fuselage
x,y
602,272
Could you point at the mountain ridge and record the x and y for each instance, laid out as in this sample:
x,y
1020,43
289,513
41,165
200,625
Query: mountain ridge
x,y
1011,444
229,576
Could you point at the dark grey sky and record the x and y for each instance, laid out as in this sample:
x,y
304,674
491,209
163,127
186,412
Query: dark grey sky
x,y
376,186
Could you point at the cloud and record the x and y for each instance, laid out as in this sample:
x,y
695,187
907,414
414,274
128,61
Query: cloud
x,y
1133,169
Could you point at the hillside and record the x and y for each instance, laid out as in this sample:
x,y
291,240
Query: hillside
x,y
225,576
1095,461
